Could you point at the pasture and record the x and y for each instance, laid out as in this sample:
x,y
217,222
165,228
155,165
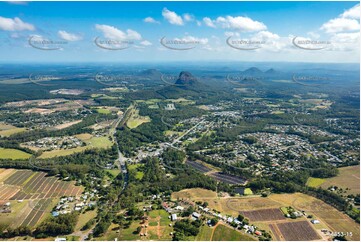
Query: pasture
x,y
6,130
349,177
13,154
225,233
135,120
314,182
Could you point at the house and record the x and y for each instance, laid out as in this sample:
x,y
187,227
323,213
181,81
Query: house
x,y
237,221
315,221
180,208
196,215
55,214
60,239
174,217
229,219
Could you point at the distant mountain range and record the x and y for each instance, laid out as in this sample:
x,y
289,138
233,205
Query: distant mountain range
x,y
254,71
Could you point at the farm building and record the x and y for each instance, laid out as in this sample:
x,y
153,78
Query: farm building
x,y
196,215
315,221
174,217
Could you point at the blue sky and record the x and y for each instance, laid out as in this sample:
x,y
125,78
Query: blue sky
x,y
201,29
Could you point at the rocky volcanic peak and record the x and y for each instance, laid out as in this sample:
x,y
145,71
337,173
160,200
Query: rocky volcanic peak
x,y
186,78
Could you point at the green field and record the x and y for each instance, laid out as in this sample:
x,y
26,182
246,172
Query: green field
x,y
284,210
135,120
103,111
139,174
164,220
205,233
84,218
13,154
153,223
114,172
315,182
248,191
10,131
224,233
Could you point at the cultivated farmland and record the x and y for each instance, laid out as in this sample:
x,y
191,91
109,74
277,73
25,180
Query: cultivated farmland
x,y
296,231
264,215
31,195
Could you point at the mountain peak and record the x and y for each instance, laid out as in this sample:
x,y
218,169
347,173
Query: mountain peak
x,y
186,78
253,71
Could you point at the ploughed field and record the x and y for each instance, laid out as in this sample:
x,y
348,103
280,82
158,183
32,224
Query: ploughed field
x,y
31,195
265,213
270,214
219,176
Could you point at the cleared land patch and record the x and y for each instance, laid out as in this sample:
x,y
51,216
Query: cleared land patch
x,y
315,182
135,120
349,177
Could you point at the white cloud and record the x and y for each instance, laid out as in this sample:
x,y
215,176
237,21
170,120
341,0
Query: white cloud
x,y
150,20
239,23
188,17
145,43
313,35
16,24
229,34
199,23
17,2
353,13
113,33
340,25
68,36
208,22
266,36
345,41
172,17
